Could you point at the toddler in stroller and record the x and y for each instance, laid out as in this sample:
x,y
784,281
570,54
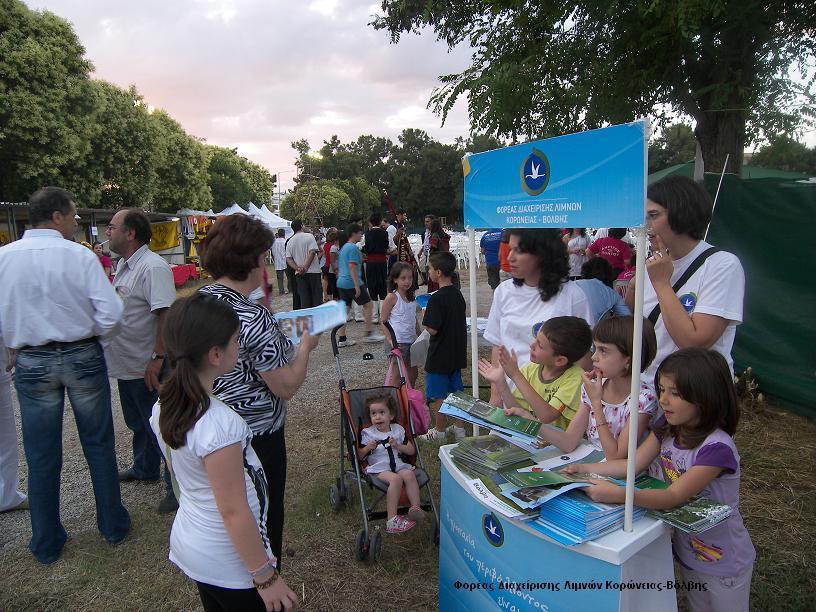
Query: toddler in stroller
x,y
382,444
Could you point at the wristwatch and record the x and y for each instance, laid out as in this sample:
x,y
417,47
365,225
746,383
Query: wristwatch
x,y
156,356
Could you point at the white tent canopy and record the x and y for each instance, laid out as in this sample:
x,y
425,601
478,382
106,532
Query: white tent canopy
x,y
189,212
231,210
270,219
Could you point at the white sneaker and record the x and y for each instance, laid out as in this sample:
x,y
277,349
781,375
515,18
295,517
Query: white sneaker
x,y
344,343
373,336
433,435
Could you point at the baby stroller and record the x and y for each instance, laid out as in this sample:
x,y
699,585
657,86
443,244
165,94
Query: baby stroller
x,y
368,544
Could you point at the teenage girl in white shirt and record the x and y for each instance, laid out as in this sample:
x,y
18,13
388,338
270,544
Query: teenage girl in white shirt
x,y
219,534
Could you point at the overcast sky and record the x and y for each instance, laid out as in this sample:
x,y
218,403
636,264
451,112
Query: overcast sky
x,y
259,74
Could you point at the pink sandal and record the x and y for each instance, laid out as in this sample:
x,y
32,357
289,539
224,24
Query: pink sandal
x,y
398,524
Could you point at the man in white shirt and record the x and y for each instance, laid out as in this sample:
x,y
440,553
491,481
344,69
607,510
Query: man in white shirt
x,y
302,257
55,304
279,255
135,354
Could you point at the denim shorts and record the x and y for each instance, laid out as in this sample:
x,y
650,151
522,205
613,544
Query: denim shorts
x,y
438,386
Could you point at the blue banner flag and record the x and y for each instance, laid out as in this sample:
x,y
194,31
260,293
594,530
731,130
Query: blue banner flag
x,y
589,179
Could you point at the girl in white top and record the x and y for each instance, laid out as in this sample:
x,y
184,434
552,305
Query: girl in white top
x,y
399,309
219,534
382,442
604,412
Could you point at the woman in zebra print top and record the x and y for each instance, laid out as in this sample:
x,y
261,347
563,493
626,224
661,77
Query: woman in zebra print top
x,y
269,371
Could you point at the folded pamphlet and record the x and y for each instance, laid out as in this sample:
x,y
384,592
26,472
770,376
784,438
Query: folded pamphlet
x,y
315,320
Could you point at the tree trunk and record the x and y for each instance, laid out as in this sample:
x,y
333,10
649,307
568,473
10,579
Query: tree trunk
x,y
721,134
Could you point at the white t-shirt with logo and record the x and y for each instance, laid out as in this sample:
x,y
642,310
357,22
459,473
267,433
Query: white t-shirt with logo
x,y
199,543
717,288
515,310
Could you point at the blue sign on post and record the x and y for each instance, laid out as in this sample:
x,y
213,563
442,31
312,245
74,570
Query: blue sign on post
x,y
590,179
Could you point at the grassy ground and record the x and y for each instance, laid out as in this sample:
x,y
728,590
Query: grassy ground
x,y
778,504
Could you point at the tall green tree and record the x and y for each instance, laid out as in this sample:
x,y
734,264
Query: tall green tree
x,y
46,105
427,176
182,169
260,182
364,197
225,177
785,153
317,201
675,145
125,148
542,68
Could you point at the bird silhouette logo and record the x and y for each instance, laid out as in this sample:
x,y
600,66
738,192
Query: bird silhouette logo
x,y
535,172
689,301
492,529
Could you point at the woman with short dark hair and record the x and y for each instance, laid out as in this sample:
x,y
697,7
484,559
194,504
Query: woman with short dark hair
x,y
704,312
266,375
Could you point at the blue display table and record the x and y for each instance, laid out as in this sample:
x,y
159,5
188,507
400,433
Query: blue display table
x,y
489,562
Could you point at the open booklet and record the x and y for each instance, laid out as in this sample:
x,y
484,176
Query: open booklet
x,y
315,320
695,516
479,412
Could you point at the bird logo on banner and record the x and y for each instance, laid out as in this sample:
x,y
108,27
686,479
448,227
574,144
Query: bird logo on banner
x,y
535,172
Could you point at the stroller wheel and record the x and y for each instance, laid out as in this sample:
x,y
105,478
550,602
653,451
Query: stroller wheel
x,y
335,500
375,545
361,546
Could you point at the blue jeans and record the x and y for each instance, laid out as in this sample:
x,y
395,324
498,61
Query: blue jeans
x,y
137,406
41,377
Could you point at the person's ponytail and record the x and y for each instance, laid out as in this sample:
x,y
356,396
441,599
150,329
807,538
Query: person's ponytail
x,y
194,325
183,401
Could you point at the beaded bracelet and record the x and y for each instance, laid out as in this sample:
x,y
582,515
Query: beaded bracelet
x,y
602,424
267,583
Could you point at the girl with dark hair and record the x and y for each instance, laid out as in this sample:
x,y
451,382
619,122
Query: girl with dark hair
x,y
577,242
219,536
706,309
692,450
537,292
604,412
400,310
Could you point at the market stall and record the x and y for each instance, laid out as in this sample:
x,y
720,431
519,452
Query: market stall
x,y
589,179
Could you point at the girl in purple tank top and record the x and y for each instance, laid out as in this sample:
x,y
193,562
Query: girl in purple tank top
x,y
690,447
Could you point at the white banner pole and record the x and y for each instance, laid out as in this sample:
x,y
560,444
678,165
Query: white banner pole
x,y
634,391
474,313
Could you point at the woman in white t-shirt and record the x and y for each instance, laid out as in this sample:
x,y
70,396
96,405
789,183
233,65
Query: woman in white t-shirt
x,y
538,291
706,310
219,536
